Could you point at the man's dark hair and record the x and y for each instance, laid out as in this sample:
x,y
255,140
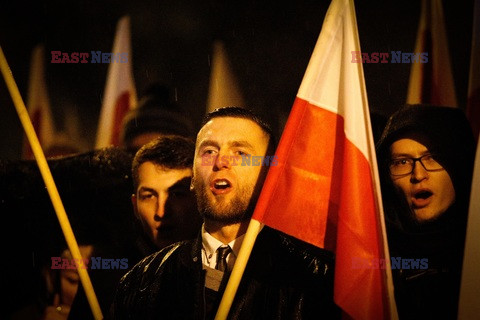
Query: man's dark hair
x,y
169,152
238,112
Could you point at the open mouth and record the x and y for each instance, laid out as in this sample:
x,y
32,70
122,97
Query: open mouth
x,y
423,195
421,198
220,186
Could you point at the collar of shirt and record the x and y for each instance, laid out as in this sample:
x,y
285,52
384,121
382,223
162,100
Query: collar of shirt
x,y
211,244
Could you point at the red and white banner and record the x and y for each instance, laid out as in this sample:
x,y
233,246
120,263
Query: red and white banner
x,y
325,189
120,94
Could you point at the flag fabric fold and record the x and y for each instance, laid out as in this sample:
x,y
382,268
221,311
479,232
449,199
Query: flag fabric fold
x,y
38,104
325,188
432,82
120,94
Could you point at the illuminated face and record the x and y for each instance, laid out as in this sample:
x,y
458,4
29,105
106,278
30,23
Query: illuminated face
x,y
428,193
164,204
226,189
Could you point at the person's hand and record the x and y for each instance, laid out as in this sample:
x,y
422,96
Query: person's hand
x,y
56,311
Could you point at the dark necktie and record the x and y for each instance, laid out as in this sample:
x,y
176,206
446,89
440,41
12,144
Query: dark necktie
x,y
222,254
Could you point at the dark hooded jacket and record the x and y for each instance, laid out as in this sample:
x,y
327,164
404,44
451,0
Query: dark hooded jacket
x,y
430,293
284,279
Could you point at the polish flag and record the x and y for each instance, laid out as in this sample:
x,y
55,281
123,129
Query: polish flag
x,y
38,104
325,189
120,93
432,82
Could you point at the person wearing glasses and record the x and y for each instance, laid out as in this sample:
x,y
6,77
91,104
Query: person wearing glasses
x,y
426,158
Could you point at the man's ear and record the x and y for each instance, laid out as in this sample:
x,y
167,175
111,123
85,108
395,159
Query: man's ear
x,y
133,198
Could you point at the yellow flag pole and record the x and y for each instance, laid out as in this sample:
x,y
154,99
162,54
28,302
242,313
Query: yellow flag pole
x,y
49,183
253,230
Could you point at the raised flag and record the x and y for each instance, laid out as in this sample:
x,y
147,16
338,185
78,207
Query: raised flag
x,y
223,89
432,82
473,101
120,94
38,104
325,189
469,300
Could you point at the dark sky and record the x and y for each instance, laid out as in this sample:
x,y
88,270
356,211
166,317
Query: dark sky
x,y
269,44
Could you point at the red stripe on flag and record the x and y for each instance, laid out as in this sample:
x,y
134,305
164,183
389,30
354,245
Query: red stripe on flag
x,y
122,106
297,176
321,192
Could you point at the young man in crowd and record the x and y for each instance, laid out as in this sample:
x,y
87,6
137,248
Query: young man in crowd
x,y
426,157
284,278
164,206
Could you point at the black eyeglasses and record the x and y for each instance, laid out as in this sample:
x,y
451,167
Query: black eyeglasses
x,y
404,166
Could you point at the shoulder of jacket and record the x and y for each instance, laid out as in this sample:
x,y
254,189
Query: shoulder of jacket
x,y
150,265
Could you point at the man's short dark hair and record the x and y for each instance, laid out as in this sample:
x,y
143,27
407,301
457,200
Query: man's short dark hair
x,y
169,152
238,112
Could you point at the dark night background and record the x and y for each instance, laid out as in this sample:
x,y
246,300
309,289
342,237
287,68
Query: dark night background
x,y
269,44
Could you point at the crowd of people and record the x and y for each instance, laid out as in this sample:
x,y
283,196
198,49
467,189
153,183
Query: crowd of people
x,y
187,219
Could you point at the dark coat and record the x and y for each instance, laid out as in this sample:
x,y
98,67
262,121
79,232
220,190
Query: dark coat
x,y
284,279
431,293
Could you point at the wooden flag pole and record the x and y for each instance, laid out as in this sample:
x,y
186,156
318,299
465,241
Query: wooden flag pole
x,y
49,183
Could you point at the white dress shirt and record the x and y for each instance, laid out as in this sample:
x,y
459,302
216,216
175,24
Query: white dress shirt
x,y
210,246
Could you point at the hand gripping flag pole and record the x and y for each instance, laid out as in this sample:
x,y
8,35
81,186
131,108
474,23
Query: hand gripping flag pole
x,y
49,182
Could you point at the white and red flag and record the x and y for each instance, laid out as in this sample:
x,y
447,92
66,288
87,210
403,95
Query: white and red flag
x,y
120,94
325,189
38,104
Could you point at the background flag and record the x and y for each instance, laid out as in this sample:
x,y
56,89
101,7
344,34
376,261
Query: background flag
x,y
38,104
473,101
432,82
325,188
469,301
120,94
224,90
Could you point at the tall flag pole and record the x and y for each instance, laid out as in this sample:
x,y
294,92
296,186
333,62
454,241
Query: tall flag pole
x,y
325,189
120,94
432,82
473,101
49,183
223,89
38,104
